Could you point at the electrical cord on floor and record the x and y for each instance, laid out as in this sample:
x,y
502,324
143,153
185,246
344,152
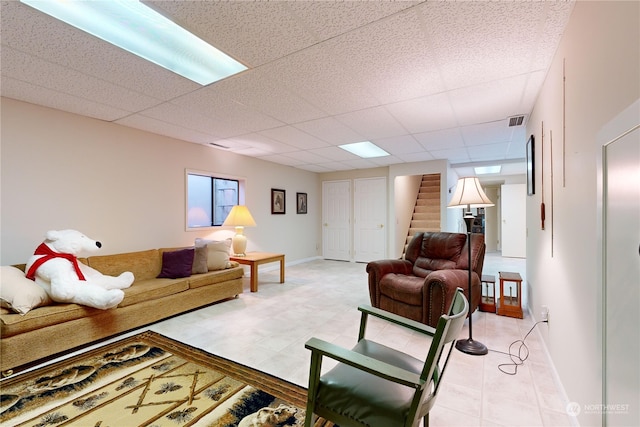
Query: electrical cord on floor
x,y
522,354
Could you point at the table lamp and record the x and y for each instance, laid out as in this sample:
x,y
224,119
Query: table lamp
x,y
239,217
469,194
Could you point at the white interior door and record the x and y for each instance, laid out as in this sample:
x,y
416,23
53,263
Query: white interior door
x,y
621,287
370,219
514,220
336,224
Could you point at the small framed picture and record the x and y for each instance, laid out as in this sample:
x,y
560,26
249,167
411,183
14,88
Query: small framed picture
x,y
531,166
301,203
278,200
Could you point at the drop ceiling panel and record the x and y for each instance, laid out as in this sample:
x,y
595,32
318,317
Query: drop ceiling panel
x,y
487,133
330,130
56,43
488,102
29,92
253,33
423,156
441,139
258,91
424,114
423,79
399,144
479,153
294,137
373,123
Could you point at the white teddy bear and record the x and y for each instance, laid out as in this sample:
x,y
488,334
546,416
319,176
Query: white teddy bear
x,y
55,267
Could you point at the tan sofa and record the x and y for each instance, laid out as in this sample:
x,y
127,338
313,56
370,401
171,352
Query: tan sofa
x,y
51,329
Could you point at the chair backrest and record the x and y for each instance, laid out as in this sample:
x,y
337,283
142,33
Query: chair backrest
x,y
447,332
431,251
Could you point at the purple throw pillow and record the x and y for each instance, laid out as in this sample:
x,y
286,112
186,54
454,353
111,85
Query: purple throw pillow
x,y
177,264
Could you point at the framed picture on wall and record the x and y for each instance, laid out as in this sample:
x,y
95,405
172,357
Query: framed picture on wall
x,y
301,203
531,166
278,200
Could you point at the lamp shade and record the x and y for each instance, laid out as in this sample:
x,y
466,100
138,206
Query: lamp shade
x,y
469,193
239,216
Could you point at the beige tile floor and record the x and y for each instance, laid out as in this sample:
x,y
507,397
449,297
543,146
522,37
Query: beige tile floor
x,y
267,331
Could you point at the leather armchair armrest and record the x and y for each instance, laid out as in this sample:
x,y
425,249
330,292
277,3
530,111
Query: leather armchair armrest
x,y
441,286
378,269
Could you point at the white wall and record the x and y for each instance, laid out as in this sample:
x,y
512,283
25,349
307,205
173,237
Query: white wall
x,y
126,187
602,53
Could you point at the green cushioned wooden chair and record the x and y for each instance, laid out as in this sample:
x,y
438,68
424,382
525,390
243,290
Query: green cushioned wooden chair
x,y
378,386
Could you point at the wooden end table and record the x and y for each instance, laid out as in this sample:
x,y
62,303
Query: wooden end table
x,y
254,259
510,305
488,298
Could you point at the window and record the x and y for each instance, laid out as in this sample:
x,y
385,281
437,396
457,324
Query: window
x,y
209,199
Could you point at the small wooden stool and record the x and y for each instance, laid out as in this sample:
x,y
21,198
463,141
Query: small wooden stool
x,y
488,291
510,305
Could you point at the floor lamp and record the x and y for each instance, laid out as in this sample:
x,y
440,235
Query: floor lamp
x,y
469,194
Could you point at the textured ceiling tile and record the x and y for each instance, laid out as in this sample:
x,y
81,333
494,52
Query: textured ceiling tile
x,y
186,118
422,156
424,114
480,153
320,168
294,137
390,58
333,153
373,123
487,133
442,139
238,119
488,102
306,157
45,74
454,155
330,130
262,144
282,159
385,68
160,127
257,90
317,76
399,144
28,92
28,30
330,19
464,55
253,33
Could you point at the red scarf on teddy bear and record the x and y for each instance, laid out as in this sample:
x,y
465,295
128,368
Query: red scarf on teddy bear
x,y
48,253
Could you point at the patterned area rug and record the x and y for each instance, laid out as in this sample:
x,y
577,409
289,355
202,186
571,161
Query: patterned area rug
x,y
150,380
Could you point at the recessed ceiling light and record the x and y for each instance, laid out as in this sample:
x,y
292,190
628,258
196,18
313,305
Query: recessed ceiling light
x,y
142,31
365,149
485,170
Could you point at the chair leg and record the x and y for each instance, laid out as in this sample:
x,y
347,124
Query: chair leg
x,y
425,420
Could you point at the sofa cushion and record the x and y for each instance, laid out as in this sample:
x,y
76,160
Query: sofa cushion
x,y
400,287
18,293
177,264
200,259
143,264
217,253
56,313
145,290
211,277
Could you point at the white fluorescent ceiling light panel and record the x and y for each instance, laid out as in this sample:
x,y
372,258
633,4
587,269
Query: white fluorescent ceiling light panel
x,y
142,31
364,149
485,170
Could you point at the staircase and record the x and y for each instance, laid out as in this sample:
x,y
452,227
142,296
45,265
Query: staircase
x,y
426,212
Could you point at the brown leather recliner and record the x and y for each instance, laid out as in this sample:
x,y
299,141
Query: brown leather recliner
x,y
422,285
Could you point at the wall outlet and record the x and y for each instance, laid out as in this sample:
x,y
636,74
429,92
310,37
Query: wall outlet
x,y
544,314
